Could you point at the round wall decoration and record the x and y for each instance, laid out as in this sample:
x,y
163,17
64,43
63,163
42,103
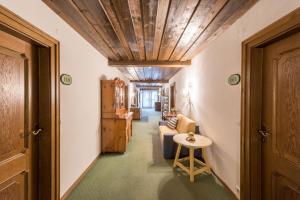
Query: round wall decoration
x,y
66,79
234,79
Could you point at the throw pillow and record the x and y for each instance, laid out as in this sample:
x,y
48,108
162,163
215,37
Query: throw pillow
x,y
172,123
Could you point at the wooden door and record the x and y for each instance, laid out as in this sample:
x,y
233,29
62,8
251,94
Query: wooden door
x,y
172,95
281,119
18,117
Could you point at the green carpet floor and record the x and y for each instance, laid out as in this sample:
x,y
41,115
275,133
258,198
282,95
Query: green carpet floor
x,y
142,174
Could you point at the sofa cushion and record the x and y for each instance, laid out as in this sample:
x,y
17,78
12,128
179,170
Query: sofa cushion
x,y
185,124
172,123
165,129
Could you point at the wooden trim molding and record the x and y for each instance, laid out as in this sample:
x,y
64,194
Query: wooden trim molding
x,y
234,197
251,101
79,179
14,23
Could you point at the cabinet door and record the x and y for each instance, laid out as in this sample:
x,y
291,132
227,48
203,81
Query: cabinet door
x,y
120,135
113,136
107,135
108,96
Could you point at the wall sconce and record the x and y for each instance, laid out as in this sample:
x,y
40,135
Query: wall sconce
x,y
187,93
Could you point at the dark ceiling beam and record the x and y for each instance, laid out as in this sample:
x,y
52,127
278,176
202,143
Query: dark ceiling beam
x,y
150,63
149,81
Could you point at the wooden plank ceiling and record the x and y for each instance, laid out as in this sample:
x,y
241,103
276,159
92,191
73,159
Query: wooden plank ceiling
x,y
149,39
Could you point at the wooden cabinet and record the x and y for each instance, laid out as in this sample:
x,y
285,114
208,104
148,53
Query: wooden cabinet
x,y
116,134
136,113
116,128
158,106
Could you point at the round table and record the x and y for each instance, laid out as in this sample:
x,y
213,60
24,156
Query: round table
x,y
200,142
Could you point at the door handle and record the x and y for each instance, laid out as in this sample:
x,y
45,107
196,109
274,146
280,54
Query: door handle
x,y
37,131
264,133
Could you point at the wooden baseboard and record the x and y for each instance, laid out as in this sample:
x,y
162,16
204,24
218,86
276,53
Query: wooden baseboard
x,y
74,185
234,197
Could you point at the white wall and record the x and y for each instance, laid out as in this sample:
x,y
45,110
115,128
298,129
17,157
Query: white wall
x,y
80,102
215,104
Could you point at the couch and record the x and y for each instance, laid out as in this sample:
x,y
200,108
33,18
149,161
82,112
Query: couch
x,y
169,147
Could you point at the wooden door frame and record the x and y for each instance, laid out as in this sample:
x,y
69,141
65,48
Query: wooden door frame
x,y
252,55
16,24
173,96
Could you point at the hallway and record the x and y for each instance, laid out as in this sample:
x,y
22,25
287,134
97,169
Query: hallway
x,y
141,173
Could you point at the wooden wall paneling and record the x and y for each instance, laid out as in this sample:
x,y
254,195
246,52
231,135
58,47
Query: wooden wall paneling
x,y
179,15
203,16
121,9
161,17
70,14
93,11
149,15
228,15
110,13
136,15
